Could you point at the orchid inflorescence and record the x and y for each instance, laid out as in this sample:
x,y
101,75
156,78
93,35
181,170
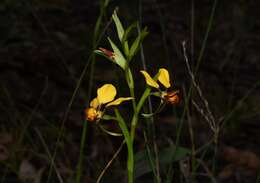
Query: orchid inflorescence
x,y
106,94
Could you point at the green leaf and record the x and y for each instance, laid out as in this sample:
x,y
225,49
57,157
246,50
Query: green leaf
x,y
158,109
123,127
156,94
129,143
108,117
136,44
118,56
109,132
126,48
119,27
125,37
148,115
166,157
129,30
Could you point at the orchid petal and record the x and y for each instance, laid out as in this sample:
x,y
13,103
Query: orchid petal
x,y
164,77
119,101
106,93
149,80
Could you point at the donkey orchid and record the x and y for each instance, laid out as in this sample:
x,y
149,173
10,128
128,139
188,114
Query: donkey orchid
x,y
105,97
164,78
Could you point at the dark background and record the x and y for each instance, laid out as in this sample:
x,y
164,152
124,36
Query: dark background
x,y
45,45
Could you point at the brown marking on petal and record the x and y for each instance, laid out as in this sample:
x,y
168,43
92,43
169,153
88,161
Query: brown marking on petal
x,y
108,53
172,97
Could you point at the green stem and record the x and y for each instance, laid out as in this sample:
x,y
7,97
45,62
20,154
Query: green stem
x,y
82,146
129,143
138,109
130,83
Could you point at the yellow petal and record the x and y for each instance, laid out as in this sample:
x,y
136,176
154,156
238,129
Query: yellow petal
x,y
106,93
119,101
149,80
164,77
94,103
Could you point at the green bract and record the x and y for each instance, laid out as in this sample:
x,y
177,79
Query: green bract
x,y
136,44
118,56
119,27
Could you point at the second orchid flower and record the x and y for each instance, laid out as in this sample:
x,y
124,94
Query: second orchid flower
x,y
163,77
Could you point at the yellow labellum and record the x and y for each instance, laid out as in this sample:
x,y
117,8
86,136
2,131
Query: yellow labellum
x,y
119,101
106,93
149,80
164,78
94,103
91,114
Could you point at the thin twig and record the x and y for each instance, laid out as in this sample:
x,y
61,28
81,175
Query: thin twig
x,y
201,111
110,162
193,148
208,116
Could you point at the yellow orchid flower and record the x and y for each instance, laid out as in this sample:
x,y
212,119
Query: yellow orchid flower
x,y
105,95
163,77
